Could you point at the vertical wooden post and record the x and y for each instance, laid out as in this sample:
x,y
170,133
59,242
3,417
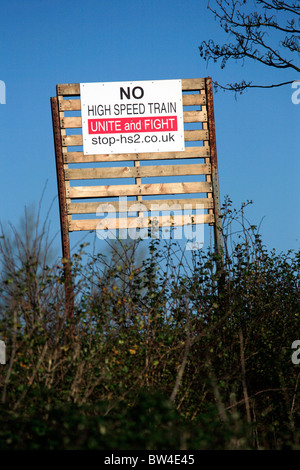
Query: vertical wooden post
x,y
69,294
219,247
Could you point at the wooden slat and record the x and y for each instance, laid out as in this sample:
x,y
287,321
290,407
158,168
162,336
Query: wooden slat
x,y
72,140
194,116
188,84
196,135
68,89
70,105
71,122
140,222
78,192
193,100
190,152
75,122
193,84
115,206
189,136
137,172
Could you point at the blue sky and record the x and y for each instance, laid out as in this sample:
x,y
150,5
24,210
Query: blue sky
x,y
45,42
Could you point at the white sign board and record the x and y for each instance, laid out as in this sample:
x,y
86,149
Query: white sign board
x,y
132,117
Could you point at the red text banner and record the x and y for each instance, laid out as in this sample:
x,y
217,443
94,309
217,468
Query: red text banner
x,y
128,125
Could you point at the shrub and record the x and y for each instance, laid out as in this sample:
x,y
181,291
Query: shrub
x,y
163,352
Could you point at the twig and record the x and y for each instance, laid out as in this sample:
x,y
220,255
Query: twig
x,y
245,391
13,353
294,396
32,377
185,356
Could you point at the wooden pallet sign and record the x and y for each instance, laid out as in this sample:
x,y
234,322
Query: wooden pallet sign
x,y
126,149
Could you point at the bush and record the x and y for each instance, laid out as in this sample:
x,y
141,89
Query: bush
x,y
163,352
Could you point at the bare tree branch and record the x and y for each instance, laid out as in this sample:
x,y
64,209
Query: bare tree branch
x,y
251,40
240,87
